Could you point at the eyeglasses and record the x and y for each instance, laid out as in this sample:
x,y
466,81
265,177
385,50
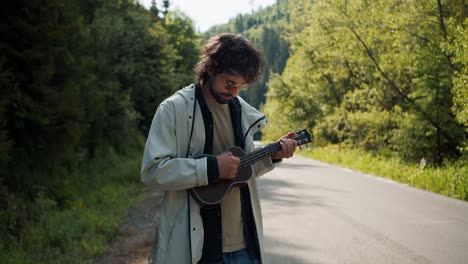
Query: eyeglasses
x,y
231,85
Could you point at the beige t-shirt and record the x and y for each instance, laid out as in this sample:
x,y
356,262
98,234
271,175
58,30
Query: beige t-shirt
x,y
231,213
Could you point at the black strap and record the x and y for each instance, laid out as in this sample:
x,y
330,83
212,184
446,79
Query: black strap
x,y
188,191
193,124
207,120
211,217
250,229
236,117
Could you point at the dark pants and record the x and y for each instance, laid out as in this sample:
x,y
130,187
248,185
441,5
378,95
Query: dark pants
x,y
238,257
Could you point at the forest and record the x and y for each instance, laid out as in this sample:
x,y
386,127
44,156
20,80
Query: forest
x,y
81,79
385,76
80,82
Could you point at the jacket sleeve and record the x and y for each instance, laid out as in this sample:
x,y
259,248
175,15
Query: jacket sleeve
x,y
263,166
161,168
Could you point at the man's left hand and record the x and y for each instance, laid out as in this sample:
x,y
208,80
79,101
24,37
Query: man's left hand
x,y
288,147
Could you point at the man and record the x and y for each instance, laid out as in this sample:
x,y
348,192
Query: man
x,y
208,118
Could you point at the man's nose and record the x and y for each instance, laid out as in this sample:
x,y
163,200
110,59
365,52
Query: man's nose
x,y
234,90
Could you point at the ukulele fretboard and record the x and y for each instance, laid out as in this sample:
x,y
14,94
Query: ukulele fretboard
x,y
260,154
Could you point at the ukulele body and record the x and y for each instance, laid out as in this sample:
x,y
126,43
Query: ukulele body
x,y
213,194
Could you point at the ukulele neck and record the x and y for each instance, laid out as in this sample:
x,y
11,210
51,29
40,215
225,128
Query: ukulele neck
x,y
260,154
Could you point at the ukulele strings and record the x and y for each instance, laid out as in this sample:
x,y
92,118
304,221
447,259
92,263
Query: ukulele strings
x,y
257,155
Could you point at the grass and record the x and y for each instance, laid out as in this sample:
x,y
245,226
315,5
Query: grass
x,y
98,196
450,180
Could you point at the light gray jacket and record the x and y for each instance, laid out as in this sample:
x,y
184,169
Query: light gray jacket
x,y
166,168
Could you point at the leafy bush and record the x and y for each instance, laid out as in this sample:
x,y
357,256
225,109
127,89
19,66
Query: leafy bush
x,y
74,230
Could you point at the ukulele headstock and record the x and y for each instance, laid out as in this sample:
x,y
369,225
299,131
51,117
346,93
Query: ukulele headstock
x,y
302,137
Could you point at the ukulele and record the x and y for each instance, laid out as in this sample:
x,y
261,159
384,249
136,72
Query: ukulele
x,y
215,193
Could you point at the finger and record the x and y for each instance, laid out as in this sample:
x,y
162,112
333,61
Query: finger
x,y
289,145
235,159
283,145
290,134
292,146
288,150
284,148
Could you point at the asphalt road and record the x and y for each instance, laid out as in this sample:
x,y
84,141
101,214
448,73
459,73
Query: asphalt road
x,y
318,213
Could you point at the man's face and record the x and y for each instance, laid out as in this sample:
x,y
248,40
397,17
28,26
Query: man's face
x,y
224,86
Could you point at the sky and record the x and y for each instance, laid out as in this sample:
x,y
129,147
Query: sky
x,y
207,13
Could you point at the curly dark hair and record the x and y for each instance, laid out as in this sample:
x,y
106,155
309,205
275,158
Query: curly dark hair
x,y
229,53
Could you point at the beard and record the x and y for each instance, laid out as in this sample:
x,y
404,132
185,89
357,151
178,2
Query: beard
x,y
221,98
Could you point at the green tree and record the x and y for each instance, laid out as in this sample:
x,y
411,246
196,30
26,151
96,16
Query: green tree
x,y
7,86
186,42
42,48
460,78
459,47
166,5
154,9
135,64
380,61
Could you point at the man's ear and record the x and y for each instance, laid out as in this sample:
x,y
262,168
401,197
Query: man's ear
x,y
211,69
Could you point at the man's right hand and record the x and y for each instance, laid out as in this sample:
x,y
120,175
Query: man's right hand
x,y
228,164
